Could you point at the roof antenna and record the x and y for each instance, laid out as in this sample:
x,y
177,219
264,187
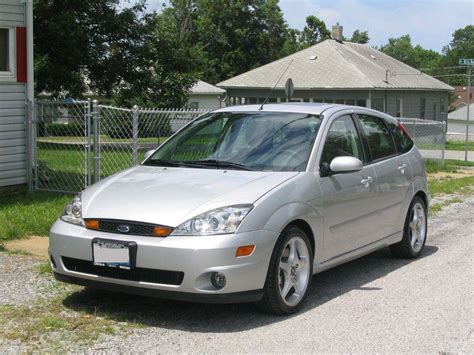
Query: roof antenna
x,y
271,92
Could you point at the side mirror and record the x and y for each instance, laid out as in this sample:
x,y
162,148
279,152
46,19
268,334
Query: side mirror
x,y
148,153
345,165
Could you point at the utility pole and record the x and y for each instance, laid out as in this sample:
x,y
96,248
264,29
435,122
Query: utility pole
x,y
469,63
467,114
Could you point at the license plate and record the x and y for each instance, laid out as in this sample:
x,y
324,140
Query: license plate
x,y
111,253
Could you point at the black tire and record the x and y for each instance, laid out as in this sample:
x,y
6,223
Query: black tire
x,y
272,301
404,248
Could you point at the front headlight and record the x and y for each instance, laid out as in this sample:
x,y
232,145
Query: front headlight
x,y
223,220
73,212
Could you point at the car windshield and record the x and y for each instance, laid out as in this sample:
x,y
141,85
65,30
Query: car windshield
x,y
262,141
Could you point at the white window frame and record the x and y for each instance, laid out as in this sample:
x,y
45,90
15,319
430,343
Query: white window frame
x,y
10,75
401,107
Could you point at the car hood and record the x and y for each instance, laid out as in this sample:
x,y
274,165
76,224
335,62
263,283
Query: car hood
x,y
170,196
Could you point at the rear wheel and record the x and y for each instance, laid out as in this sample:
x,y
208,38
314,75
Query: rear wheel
x,y
290,273
414,233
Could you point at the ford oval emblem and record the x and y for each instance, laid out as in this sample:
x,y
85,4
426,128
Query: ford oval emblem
x,y
123,228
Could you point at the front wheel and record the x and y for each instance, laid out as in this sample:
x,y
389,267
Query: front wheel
x,y
414,233
290,273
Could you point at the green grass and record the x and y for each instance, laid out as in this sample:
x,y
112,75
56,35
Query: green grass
x,y
450,186
439,206
25,214
449,166
459,145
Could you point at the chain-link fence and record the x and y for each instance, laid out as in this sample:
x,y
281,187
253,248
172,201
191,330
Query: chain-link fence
x,y
77,143
61,146
429,137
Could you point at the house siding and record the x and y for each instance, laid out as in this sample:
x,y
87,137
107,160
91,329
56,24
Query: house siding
x,y
411,99
13,154
206,102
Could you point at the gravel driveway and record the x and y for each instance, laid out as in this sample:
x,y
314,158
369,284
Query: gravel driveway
x,y
374,304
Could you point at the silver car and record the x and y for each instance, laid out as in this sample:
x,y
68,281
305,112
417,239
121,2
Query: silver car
x,y
245,204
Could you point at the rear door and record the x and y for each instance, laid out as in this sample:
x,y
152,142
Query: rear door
x,y
392,171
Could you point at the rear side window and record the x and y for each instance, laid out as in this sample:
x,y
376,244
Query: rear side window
x,y
380,140
403,140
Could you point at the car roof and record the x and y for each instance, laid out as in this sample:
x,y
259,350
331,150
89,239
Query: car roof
x,y
303,107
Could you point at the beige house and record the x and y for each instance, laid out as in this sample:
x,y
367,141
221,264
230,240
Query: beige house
x,y
340,72
206,96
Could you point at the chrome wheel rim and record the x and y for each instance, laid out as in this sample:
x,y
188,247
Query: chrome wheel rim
x,y
294,271
417,227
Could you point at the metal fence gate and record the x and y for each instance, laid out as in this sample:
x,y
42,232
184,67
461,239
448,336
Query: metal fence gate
x,y
78,143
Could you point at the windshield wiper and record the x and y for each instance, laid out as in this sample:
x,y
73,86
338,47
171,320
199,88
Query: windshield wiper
x,y
161,162
219,164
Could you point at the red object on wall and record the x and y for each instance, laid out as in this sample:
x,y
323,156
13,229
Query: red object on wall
x,y
21,75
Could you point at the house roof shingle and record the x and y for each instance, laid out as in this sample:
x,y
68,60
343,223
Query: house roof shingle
x,y
338,65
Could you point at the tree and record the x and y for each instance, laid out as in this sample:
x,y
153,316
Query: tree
x,y
88,44
314,32
360,37
402,49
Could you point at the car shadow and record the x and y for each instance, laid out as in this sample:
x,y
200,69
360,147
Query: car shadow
x,y
228,318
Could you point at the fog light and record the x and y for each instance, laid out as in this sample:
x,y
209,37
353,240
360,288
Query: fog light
x,y
218,280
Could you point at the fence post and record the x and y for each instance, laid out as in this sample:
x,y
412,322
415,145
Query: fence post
x,y
135,114
30,146
88,131
443,148
96,140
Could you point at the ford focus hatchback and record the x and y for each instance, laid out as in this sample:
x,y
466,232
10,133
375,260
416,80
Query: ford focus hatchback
x,y
245,204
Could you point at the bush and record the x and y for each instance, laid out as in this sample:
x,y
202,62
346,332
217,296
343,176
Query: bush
x,y
122,128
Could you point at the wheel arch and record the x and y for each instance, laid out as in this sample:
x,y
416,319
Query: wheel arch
x,y
302,224
424,196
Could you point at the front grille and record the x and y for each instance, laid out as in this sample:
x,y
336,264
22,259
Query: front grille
x,y
135,274
135,228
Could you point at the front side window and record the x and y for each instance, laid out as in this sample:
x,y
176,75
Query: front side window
x,y
263,141
342,140
380,140
4,50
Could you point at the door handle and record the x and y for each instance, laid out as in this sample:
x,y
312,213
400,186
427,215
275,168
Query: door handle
x,y
366,181
401,168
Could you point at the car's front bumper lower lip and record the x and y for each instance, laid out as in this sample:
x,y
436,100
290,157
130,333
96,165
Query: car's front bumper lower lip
x,y
235,297
196,257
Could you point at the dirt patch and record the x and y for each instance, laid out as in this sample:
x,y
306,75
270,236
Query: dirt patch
x,y
459,174
34,246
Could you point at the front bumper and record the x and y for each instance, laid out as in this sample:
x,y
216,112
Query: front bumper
x,y
196,257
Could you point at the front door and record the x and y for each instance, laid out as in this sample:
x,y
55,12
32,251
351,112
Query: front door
x,y
348,202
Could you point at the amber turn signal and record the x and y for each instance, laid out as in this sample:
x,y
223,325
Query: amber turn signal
x,y
92,224
245,250
160,231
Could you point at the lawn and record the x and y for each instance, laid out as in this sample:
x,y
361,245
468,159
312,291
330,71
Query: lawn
x,y
459,145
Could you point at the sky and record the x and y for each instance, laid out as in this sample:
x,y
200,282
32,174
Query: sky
x,y
430,23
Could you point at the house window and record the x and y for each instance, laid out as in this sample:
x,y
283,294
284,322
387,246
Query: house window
x,y
340,102
442,105
434,112
350,102
378,104
361,103
422,108
399,107
4,50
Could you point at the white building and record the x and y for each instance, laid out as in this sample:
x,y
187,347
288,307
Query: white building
x,y
457,123
205,96
16,87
